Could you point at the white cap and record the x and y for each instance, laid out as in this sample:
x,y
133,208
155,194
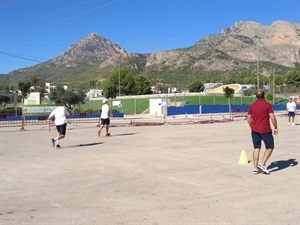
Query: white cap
x,y
104,101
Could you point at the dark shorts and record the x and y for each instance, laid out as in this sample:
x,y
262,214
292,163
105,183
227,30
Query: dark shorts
x,y
62,128
105,121
291,114
267,138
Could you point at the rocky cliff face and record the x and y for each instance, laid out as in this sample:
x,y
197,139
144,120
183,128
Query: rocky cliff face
x,y
244,41
278,43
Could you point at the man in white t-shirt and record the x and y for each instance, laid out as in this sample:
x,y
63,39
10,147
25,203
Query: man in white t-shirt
x,y
59,116
104,118
291,109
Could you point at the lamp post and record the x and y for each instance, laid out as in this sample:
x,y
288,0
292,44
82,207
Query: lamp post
x,y
257,68
274,87
119,82
15,94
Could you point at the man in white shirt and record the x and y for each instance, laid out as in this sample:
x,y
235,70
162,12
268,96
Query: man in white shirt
x,y
59,116
291,109
104,118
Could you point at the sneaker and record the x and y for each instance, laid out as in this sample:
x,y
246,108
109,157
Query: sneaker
x,y
57,146
255,171
289,124
108,134
53,142
293,124
263,169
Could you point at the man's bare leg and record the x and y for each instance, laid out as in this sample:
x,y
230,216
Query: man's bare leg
x,y
266,156
255,157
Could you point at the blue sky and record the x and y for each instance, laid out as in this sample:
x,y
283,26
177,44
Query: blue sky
x,y
35,31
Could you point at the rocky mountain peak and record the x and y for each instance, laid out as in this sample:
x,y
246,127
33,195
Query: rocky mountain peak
x,y
280,32
278,43
92,48
242,27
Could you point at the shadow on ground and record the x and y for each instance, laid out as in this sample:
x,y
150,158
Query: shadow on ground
x,y
282,164
125,134
82,145
95,143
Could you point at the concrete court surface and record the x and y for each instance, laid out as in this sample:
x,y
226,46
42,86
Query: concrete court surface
x,y
147,175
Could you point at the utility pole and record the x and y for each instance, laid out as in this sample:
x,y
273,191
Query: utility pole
x,y
119,83
257,68
274,87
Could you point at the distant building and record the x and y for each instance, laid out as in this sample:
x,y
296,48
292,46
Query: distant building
x,y
247,86
94,93
34,98
238,90
161,88
208,86
48,87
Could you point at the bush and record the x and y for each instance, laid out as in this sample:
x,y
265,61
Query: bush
x,y
10,111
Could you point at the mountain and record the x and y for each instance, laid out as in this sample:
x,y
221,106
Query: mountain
x,y
93,48
78,63
237,51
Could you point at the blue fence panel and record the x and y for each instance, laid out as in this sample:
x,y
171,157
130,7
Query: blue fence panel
x,y
11,118
187,109
197,109
118,115
214,109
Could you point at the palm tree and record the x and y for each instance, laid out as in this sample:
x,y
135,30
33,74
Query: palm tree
x,y
24,87
229,93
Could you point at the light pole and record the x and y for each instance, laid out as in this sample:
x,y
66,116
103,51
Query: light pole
x,y
119,83
257,68
97,89
274,88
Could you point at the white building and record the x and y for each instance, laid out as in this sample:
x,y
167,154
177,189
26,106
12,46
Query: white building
x,y
94,93
34,98
208,86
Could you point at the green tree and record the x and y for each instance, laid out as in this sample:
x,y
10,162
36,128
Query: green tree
x,y
269,97
109,89
69,98
196,86
24,87
293,78
248,80
250,91
229,81
142,85
128,86
5,87
229,93
34,81
4,99
122,81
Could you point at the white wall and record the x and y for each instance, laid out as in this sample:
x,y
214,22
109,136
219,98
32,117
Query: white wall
x,y
33,98
158,106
